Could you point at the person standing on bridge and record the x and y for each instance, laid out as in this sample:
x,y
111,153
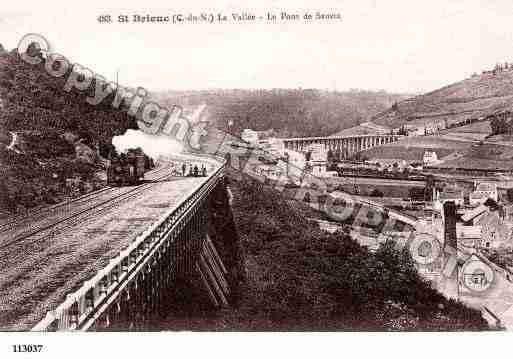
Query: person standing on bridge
x,y
184,168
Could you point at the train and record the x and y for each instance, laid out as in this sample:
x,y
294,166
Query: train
x,y
128,169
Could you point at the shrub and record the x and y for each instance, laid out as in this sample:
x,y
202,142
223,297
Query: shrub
x,y
301,277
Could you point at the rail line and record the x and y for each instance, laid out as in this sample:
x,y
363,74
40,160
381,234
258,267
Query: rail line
x,y
84,307
97,208
38,214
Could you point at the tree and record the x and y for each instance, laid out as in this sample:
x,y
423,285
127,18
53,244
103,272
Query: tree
x,y
500,125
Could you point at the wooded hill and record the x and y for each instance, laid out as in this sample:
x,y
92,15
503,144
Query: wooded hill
x,y
472,98
290,112
298,277
57,133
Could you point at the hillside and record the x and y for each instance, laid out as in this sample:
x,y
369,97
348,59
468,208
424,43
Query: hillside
x,y
411,149
291,113
298,277
48,135
366,128
475,97
34,100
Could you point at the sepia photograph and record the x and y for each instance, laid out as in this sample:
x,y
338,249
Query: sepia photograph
x,y
192,171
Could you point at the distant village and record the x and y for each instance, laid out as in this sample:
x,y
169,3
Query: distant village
x,y
480,218
319,159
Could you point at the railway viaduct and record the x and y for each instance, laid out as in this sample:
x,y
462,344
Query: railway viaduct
x,y
135,285
349,145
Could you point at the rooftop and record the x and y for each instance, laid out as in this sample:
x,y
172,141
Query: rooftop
x,y
471,214
451,194
486,187
477,195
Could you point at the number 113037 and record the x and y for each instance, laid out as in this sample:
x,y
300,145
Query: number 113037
x,y
27,348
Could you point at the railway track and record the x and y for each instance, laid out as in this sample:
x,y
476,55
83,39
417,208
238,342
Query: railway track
x,y
41,213
65,222
54,257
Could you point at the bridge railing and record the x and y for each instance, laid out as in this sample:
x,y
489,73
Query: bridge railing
x,y
291,139
82,308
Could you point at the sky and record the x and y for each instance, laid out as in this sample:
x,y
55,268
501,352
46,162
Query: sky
x,y
398,46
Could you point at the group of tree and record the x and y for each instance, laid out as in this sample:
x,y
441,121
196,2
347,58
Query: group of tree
x,y
33,99
501,124
301,277
290,112
50,122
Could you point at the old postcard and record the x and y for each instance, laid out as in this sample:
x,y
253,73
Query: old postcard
x,y
284,166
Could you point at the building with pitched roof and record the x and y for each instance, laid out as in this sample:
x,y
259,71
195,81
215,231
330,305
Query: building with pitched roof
x,y
449,194
483,191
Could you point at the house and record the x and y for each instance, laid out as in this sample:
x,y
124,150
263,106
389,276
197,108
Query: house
x,y
448,195
249,136
269,171
483,191
468,236
495,232
472,216
414,130
429,158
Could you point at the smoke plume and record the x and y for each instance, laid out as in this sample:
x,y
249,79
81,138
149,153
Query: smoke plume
x,y
153,145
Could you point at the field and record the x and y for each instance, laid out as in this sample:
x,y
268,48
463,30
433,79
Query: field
x,y
486,156
477,127
501,139
289,112
474,97
413,148
478,131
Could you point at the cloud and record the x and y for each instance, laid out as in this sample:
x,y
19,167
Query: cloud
x,y
154,146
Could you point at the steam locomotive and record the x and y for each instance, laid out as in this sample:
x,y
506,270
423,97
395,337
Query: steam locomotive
x,y
128,169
